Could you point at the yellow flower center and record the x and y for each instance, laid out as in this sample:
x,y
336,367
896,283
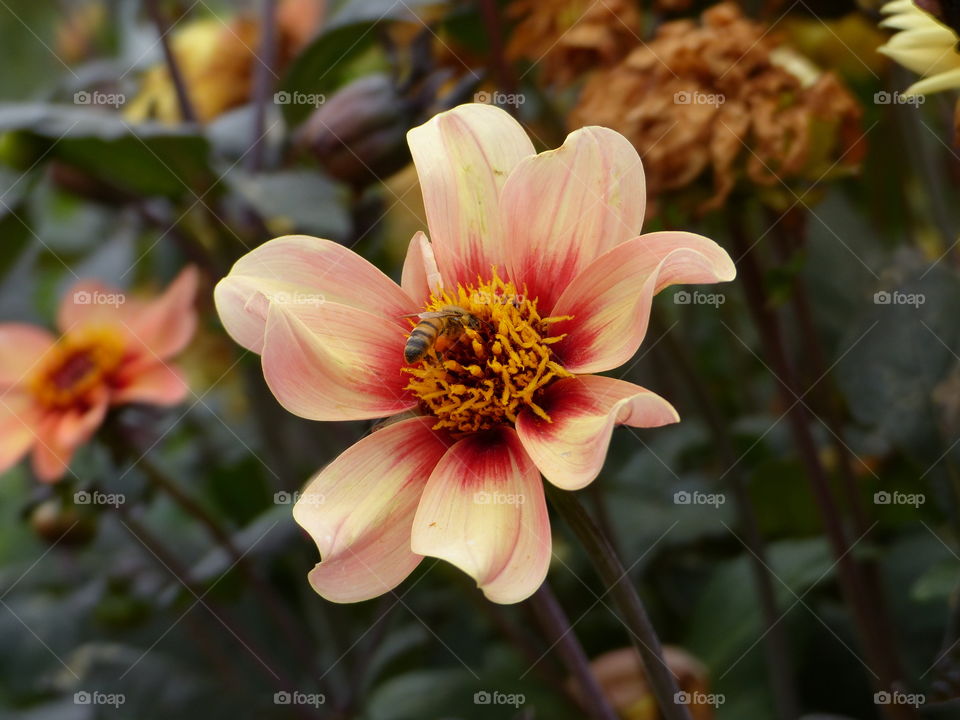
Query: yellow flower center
x,y
487,356
78,363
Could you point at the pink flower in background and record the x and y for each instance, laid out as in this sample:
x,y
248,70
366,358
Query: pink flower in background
x,y
112,350
542,258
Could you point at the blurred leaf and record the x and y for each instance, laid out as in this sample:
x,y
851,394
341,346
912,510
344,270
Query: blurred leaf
x,y
938,582
144,159
325,65
296,201
345,12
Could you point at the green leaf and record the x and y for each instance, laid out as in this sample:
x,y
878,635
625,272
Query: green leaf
x,y
147,159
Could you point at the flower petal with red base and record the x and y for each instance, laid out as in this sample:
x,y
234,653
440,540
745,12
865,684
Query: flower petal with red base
x,y
570,450
420,275
483,510
18,417
302,270
610,300
565,207
463,157
360,508
333,362
21,349
153,383
166,325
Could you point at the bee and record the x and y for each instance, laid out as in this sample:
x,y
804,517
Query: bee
x,y
440,328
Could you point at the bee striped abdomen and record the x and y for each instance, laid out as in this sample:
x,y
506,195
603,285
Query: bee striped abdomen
x,y
422,338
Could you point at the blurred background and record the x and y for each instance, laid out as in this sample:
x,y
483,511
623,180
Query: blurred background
x,y
795,538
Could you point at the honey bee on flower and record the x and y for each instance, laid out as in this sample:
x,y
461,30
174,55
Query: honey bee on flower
x,y
545,252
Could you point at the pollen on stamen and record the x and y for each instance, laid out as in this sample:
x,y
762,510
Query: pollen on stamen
x,y
485,376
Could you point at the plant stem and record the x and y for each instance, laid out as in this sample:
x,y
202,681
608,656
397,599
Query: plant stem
x,y
168,561
176,76
263,70
557,627
883,671
775,643
635,618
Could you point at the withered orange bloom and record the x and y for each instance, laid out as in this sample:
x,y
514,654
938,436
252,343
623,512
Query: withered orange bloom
x,y
112,350
544,254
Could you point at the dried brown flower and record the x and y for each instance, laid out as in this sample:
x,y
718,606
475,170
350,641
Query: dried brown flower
x,y
723,99
568,37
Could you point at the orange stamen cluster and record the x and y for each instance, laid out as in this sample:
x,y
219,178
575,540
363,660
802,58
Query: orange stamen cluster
x,y
78,363
487,375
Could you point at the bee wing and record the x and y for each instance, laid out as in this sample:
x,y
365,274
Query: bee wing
x,y
432,314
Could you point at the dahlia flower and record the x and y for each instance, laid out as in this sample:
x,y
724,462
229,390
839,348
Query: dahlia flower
x,y
924,45
543,252
112,350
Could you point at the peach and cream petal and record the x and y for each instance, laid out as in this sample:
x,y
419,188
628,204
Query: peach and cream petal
x,y
166,324
333,362
17,434
610,300
483,510
50,460
76,425
463,157
565,207
360,508
93,303
156,384
420,276
21,348
570,449
302,271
